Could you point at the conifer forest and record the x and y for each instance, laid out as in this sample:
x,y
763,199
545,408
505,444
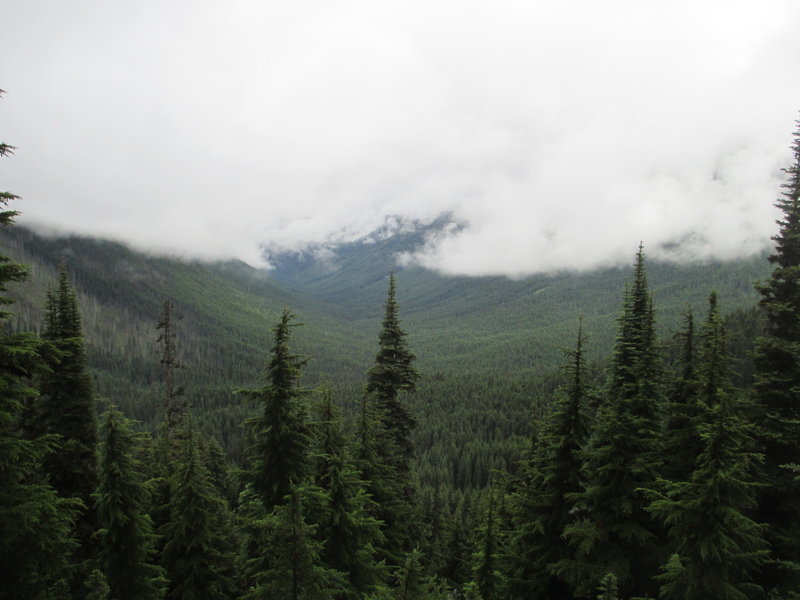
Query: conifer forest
x,y
663,462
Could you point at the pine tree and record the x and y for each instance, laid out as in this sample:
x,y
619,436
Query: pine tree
x,y
615,534
348,530
279,457
717,546
66,408
35,524
777,361
546,496
126,538
197,555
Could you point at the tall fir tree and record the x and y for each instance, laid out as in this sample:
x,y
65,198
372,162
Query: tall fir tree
x,y
198,555
66,408
386,449
615,534
125,534
35,523
717,546
346,525
279,456
545,499
777,362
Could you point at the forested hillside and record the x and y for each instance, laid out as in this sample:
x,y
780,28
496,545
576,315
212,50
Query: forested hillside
x,y
397,434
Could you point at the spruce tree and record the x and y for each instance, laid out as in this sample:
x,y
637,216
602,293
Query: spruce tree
x,y
777,362
66,408
716,545
545,500
346,526
126,538
279,457
615,534
682,442
36,525
284,561
386,449
197,555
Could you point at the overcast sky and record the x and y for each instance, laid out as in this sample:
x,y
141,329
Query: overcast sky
x,y
554,134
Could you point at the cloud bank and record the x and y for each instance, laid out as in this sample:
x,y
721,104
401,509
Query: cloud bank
x,y
556,137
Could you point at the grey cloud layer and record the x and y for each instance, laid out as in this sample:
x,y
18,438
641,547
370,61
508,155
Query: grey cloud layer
x,y
557,137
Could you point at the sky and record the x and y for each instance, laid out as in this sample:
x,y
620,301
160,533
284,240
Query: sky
x,y
546,135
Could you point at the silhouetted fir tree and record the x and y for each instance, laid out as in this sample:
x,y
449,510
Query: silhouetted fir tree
x,y
197,555
126,538
682,441
386,449
777,362
546,502
66,408
287,563
346,526
35,524
615,534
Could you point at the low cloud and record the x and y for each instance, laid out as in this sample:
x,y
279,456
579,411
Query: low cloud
x,y
555,137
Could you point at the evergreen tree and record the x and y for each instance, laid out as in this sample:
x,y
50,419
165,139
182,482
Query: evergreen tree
x,y
486,570
682,444
777,361
717,546
615,534
346,526
35,524
386,449
284,559
393,373
279,457
66,408
127,541
546,498
197,555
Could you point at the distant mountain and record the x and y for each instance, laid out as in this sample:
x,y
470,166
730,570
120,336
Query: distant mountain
x,y
484,345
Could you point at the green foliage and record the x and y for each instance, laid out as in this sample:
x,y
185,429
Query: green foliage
x,y
126,538
777,361
66,409
35,524
717,545
346,526
615,534
546,494
197,554
283,561
279,457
